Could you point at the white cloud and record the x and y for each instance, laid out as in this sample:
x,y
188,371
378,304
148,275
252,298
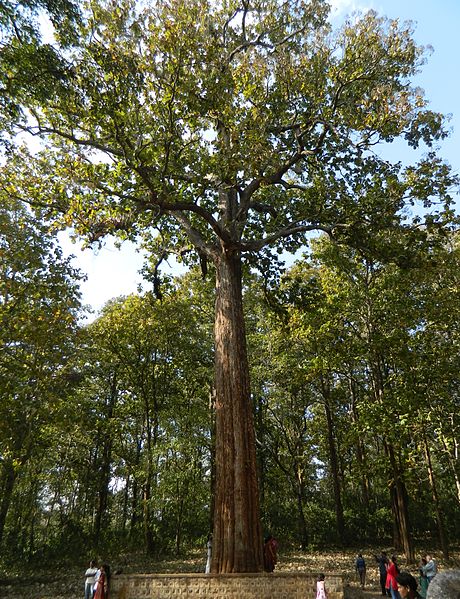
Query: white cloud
x,y
340,8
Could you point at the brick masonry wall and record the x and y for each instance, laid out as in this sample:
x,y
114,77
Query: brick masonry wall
x,y
280,585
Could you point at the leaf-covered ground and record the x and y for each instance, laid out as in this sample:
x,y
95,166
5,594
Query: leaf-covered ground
x,y
67,583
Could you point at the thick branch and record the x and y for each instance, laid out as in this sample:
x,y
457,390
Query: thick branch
x,y
194,235
175,207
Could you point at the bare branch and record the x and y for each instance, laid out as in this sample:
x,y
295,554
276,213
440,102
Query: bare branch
x,y
248,44
291,229
268,45
92,143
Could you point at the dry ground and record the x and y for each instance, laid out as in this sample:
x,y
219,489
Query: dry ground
x,y
68,583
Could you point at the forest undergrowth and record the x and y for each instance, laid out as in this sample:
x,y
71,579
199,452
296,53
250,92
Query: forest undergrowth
x,y
66,582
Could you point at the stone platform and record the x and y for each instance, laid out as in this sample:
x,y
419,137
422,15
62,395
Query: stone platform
x,y
279,585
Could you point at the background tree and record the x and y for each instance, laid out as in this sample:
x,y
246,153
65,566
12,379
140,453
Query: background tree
x,y
162,380
39,304
364,332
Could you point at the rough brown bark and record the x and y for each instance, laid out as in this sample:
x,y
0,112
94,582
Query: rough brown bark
x,y
237,542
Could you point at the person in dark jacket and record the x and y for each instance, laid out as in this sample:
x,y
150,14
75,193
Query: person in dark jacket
x,y
360,566
382,561
270,553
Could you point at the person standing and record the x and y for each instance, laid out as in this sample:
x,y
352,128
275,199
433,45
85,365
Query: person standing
x,y
407,586
103,584
431,568
360,566
270,553
391,583
90,579
207,570
422,578
382,561
321,592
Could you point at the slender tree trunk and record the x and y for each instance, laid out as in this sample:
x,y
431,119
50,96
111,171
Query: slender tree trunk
x,y
397,541
151,408
179,519
399,499
124,510
303,529
237,543
360,451
103,489
100,521
7,485
436,502
149,538
334,462
453,459
135,515
400,508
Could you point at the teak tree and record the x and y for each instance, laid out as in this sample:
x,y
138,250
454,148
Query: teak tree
x,y
230,128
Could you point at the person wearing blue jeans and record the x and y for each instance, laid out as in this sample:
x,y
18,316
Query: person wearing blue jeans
x,y
90,579
392,572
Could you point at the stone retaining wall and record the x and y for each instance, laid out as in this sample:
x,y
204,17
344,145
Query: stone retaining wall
x,y
279,585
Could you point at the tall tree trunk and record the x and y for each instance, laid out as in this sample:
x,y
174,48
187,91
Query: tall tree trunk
x,y
453,460
135,515
124,510
151,416
436,502
100,521
303,528
149,537
237,542
333,461
399,499
360,450
400,507
6,486
179,521
397,541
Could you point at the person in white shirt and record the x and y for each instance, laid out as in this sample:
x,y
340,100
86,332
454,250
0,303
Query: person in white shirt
x,y
209,548
90,579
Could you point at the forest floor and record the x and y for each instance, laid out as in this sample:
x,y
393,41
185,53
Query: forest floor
x,y
67,583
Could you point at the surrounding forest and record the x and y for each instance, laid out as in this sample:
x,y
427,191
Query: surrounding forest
x,y
107,428
320,400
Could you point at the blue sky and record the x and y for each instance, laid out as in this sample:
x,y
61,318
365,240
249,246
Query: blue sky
x,y
112,272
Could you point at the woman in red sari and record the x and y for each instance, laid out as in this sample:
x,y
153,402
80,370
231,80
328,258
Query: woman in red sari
x,y
102,587
392,572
